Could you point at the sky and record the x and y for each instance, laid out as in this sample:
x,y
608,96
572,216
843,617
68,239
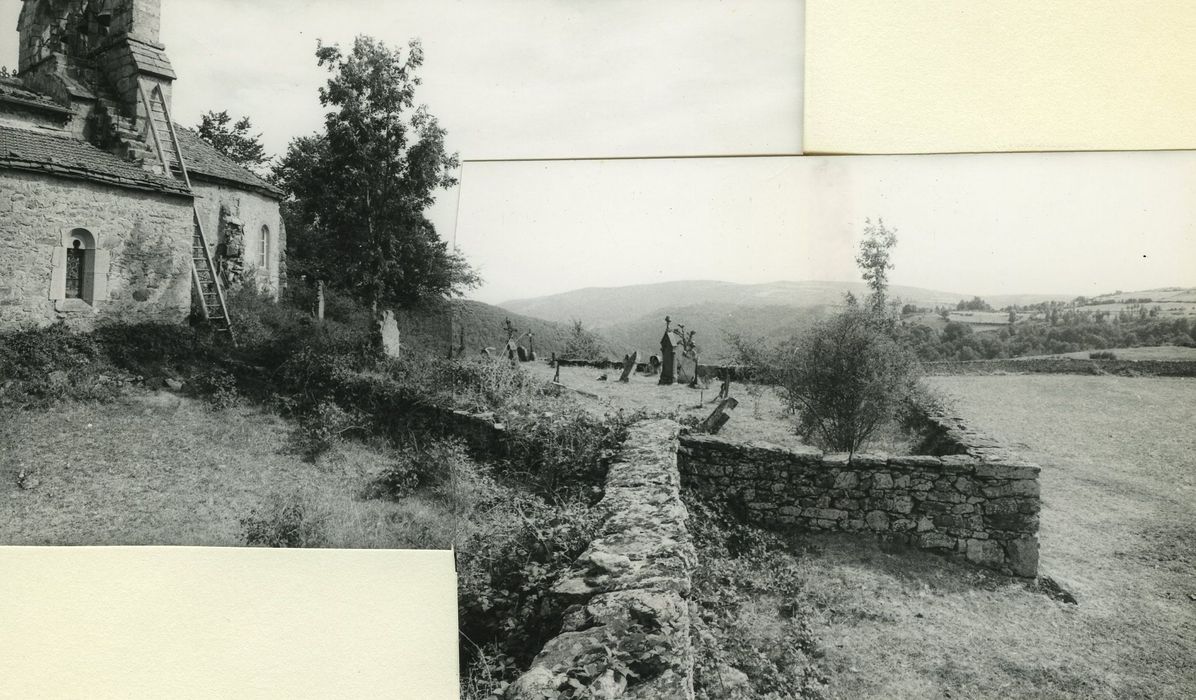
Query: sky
x,y
520,79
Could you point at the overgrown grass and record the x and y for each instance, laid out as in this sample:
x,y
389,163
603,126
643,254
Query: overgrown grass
x,y
751,636
1119,474
162,469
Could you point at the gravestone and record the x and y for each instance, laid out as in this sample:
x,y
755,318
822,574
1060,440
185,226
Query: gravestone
x,y
724,391
522,353
719,417
512,351
390,334
687,368
629,363
667,362
654,365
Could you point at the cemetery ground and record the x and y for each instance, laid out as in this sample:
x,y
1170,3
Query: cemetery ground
x,y
760,416
1119,506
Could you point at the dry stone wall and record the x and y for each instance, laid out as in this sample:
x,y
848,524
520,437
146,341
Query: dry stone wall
x,y
975,501
255,212
628,591
1157,368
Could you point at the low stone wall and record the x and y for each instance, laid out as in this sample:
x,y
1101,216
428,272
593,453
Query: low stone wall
x,y
627,593
975,502
1155,368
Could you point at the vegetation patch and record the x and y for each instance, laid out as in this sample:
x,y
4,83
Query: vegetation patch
x,y
752,637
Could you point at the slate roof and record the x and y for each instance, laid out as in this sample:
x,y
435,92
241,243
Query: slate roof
x,y
65,156
12,90
206,162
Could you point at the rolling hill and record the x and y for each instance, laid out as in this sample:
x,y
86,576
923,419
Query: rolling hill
x,y
600,308
632,318
482,326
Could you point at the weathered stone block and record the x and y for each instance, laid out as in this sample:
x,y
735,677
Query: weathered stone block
x,y
986,553
882,481
877,520
1021,487
936,540
1021,556
847,480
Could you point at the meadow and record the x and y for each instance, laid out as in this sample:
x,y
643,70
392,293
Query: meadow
x,y
1119,506
156,468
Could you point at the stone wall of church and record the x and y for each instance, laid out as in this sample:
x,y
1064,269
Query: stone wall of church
x,y
141,260
254,211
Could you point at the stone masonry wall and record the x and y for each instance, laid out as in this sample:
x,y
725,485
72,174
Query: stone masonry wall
x,y
254,211
146,236
628,592
1158,368
965,505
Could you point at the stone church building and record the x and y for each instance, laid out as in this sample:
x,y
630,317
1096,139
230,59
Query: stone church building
x,y
109,210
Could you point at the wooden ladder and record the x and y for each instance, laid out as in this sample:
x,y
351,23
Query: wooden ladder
x,y
204,275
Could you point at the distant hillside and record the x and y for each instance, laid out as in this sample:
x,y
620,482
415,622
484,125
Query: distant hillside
x,y
602,307
482,325
713,323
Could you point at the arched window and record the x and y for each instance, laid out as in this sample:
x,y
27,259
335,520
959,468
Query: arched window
x,y
79,270
76,266
264,245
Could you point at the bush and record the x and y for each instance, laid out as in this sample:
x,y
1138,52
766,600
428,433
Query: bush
x,y
442,468
292,519
1102,355
738,634
845,379
564,450
505,571
320,429
217,386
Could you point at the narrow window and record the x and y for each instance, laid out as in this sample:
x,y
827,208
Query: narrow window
x,y
265,248
76,264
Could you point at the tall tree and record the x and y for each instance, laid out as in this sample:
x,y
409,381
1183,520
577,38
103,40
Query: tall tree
x,y
233,139
360,188
874,263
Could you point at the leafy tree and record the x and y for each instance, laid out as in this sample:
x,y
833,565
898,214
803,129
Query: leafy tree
x,y
360,187
974,304
582,344
852,372
845,379
874,261
234,139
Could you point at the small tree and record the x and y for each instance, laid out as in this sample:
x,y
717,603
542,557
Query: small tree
x,y
234,140
582,344
845,379
850,374
874,262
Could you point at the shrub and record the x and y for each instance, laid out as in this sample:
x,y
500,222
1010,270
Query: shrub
x,y
320,429
291,519
505,570
1102,355
744,647
845,379
442,468
217,386
564,450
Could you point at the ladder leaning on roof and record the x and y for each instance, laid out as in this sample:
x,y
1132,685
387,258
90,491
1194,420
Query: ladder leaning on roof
x,y
203,268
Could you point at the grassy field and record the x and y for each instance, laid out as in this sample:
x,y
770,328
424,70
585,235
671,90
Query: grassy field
x,y
1119,510
1160,352
160,469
